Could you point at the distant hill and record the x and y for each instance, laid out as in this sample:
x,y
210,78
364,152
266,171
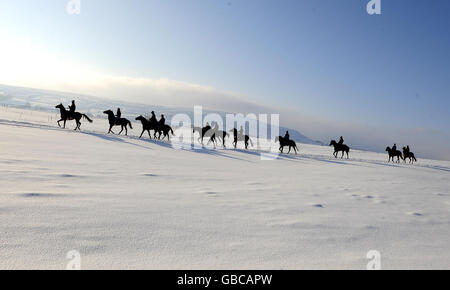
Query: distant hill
x,y
44,100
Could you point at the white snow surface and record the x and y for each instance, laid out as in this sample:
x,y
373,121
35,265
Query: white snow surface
x,y
126,203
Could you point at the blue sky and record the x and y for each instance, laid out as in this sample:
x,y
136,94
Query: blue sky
x,y
328,59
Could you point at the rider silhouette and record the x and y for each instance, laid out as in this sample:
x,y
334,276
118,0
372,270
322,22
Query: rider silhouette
x,y
287,136
162,121
153,118
341,141
119,114
407,149
394,148
72,107
241,131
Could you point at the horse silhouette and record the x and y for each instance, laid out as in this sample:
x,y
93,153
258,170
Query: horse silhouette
x,y
66,115
408,155
339,148
165,130
204,133
146,126
237,137
393,154
221,135
286,143
113,121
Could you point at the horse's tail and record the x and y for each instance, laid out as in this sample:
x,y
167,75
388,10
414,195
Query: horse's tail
x,y
171,131
87,118
129,123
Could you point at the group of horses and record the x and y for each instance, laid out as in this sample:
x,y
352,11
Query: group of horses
x,y
214,134
406,154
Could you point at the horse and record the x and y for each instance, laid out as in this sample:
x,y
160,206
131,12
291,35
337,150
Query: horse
x,y
338,148
165,130
66,115
146,126
221,135
204,132
394,153
409,155
237,137
113,121
286,143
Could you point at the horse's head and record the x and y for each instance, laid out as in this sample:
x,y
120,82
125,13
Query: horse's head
x,y
140,118
108,112
333,143
60,106
388,149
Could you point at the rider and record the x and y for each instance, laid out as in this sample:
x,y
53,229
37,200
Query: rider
x,y
162,121
394,148
153,118
241,131
287,136
341,141
72,107
407,149
119,114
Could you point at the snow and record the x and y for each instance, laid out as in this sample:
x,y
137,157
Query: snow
x,y
126,203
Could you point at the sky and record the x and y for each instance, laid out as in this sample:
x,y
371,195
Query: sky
x,y
328,67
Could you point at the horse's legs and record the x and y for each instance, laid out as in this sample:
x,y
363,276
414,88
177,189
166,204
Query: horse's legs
x,y
142,134
126,130
289,150
110,130
59,125
64,127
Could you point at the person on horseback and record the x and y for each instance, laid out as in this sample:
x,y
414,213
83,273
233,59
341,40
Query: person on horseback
x,y
341,141
72,107
162,121
287,136
407,149
241,132
394,148
153,118
119,114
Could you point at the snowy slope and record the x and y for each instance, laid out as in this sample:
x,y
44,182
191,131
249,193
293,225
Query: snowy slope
x,y
125,203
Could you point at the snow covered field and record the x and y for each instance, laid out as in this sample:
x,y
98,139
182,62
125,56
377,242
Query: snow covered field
x,y
125,203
